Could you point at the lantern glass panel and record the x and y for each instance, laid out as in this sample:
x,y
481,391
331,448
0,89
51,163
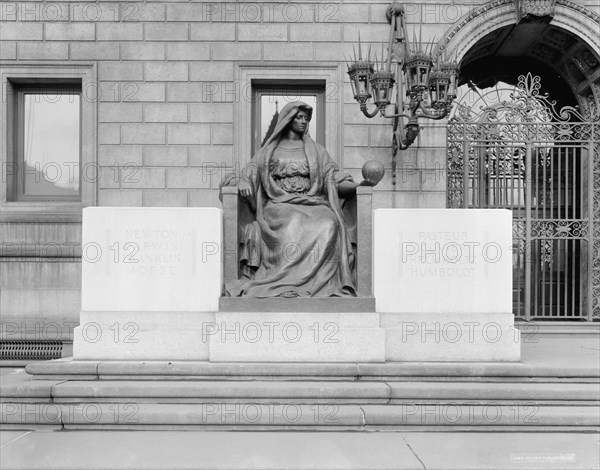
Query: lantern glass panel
x,y
413,76
363,84
353,85
452,86
426,96
382,92
423,75
439,92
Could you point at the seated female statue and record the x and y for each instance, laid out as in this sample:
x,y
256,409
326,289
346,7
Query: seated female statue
x,y
298,246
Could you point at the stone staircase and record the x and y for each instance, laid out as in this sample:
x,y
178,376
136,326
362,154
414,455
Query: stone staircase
x,y
65,394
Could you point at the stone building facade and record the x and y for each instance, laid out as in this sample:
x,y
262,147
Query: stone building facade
x,y
168,93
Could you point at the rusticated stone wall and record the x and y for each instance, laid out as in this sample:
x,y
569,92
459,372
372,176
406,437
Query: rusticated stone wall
x,y
167,93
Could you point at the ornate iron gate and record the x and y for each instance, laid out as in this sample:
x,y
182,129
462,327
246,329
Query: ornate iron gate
x,y
512,149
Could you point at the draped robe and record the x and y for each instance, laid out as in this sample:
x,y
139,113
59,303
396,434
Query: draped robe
x,y
299,243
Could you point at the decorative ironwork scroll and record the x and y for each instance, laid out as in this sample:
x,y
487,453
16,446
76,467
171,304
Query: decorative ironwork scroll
x,y
512,148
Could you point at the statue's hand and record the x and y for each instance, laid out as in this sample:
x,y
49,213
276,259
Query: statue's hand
x,y
245,189
367,183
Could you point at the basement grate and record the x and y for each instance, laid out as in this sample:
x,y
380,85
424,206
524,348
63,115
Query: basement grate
x,y
30,350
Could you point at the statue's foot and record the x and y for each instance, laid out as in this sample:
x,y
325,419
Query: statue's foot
x,y
289,294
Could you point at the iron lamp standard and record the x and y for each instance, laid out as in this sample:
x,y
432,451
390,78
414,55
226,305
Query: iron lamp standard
x,y
425,90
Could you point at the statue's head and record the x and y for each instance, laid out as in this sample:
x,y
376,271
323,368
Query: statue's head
x,y
294,107
300,122
297,116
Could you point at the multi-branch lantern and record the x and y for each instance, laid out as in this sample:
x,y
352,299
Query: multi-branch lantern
x,y
425,88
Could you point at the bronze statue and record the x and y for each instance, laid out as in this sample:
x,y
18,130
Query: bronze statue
x,y
298,246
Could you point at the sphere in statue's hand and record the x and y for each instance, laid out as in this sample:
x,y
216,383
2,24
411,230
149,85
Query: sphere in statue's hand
x,y
373,171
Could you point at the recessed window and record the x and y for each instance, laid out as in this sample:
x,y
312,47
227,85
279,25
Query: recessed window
x,y
48,124
270,98
48,144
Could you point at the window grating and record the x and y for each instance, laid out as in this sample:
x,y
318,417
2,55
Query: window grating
x,y
30,350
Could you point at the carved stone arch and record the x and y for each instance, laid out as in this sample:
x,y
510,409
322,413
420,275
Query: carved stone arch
x,y
566,15
576,19
474,25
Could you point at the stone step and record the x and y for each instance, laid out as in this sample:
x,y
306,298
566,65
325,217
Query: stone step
x,y
322,417
295,391
29,403
67,369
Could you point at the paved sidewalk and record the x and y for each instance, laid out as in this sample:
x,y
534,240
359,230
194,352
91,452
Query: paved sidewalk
x,y
580,351
296,450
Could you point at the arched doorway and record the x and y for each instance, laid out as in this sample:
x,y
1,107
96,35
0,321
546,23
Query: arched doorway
x,y
526,137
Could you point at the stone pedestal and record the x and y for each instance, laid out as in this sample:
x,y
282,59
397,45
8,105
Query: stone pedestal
x,y
151,283
151,277
295,337
142,336
451,337
443,284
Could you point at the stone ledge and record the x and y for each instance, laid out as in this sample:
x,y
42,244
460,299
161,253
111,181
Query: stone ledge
x,y
311,305
491,415
234,370
491,391
217,390
150,370
536,327
308,391
23,387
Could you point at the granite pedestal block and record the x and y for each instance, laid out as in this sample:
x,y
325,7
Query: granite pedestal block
x,y
485,337
143,336
151,277
296,337
443,284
